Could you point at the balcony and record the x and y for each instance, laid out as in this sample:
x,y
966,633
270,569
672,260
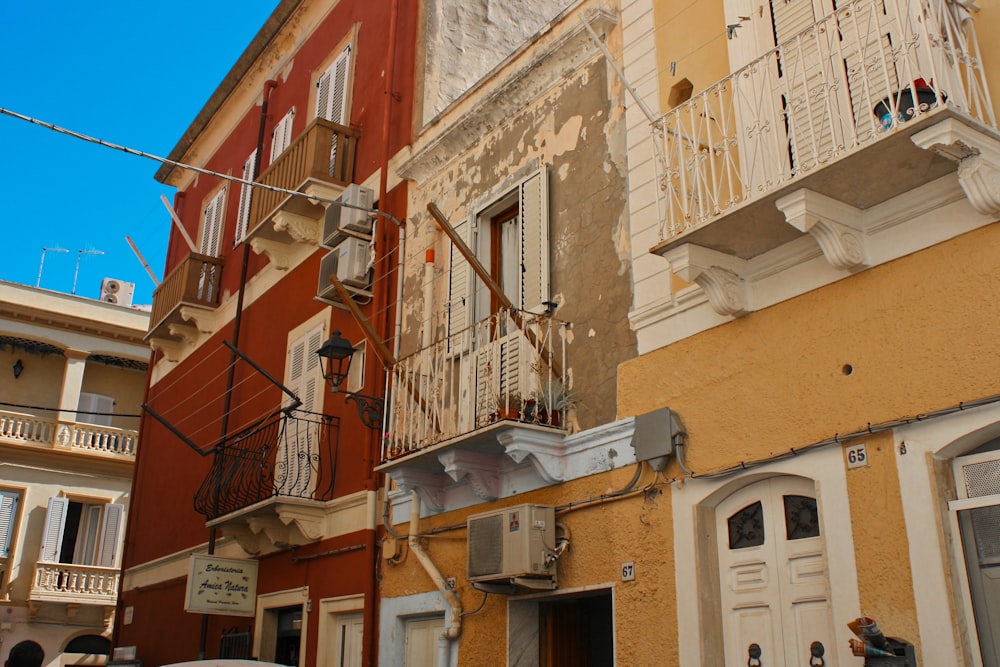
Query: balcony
x,y
870,102
481,401
272,485
88,439
74,585
192,287
319,162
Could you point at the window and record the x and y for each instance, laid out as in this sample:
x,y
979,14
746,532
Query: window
x,y
81,533
246,194
281,137
8,516
95,409
511,239
331,97
211,227
296,472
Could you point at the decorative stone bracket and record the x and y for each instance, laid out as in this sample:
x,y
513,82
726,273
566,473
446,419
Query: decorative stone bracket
x,y
721,276
836,226
481,470
977,154
544,451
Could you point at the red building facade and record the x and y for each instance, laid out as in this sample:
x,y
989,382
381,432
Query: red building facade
x,y
246,454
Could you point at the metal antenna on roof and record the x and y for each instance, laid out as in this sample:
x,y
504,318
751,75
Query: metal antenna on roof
x,y
79,254
38,283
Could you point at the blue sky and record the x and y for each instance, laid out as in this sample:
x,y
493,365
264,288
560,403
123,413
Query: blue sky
x,y
129,72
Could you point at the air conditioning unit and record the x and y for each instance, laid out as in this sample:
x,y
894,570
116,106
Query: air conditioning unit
x,y
117,291
349,262
515,545
342,220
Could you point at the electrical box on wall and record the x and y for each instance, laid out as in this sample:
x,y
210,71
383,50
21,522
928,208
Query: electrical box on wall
x,y
654,436
514,545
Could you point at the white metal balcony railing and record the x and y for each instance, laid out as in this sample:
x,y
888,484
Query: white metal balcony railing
x,y
834,88
64,582
77,436
511,366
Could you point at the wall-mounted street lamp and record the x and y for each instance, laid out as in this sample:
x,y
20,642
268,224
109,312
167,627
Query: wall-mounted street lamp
x,y
335,355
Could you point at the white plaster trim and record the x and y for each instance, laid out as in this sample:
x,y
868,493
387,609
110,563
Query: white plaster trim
x,y
944,438
175,565
977,154
721,276
827,469
836,226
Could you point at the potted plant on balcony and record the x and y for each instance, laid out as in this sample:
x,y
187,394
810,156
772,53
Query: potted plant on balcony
x,y
549,403
907,102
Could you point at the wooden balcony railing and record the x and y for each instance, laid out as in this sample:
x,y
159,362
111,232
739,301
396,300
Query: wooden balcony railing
x,y
193,282
848,81
74,584
323,153
85,438
510,366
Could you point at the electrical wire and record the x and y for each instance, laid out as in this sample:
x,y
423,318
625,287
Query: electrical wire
x,y
182,165
79,412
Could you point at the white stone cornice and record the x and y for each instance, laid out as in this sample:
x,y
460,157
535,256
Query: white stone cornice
x,y
977,154
481,470
721,276
302,228
276,253
836,226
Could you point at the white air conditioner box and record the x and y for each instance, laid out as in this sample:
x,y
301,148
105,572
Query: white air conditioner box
x,y
349,262
514,545
340,219
117,291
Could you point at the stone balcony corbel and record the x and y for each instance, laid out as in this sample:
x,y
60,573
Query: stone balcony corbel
x,y
301,228
277,253
977,154
836,226
481,470
544,450
428,485
721,276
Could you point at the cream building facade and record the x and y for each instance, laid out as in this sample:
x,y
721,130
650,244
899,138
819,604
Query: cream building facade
x,y
73,381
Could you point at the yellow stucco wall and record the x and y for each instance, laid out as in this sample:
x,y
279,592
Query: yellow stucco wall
x,y
692,36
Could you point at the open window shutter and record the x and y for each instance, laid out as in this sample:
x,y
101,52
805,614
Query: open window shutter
x,y
8,510
281,137
458,285
313,373
331,99
212,224
55,522
110,531
246,192
534,210
296,368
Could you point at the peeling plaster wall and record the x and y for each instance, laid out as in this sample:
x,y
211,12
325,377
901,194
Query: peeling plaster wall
x,y
577,130
465,39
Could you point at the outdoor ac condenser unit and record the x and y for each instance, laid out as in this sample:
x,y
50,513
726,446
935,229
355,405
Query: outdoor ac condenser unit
x,y
349,262
514,546
341,219
117,291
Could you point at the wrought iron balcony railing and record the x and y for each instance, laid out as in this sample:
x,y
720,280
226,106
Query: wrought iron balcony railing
x,y
193,282
322,154
510,366
846,82
75,584
281,457
76,436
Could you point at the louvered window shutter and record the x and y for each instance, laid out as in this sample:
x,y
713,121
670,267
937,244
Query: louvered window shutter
x,y
246,193
110,532
55,523
331,99
8,512
534,213
95,409
281,137
212,224
458,285
313,373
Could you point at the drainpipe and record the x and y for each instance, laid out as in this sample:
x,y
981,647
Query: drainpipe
x,y
454,629
428,294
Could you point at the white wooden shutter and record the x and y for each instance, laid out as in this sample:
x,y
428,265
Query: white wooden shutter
x,y
55,523
458,285
246,193
211,227
281,137
91,404
8,512
534,214
331,98
110,532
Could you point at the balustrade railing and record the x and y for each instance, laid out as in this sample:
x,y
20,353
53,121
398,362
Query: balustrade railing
x,y
324,152
290,456
64,582
842,84
195,281
510,366
89,438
